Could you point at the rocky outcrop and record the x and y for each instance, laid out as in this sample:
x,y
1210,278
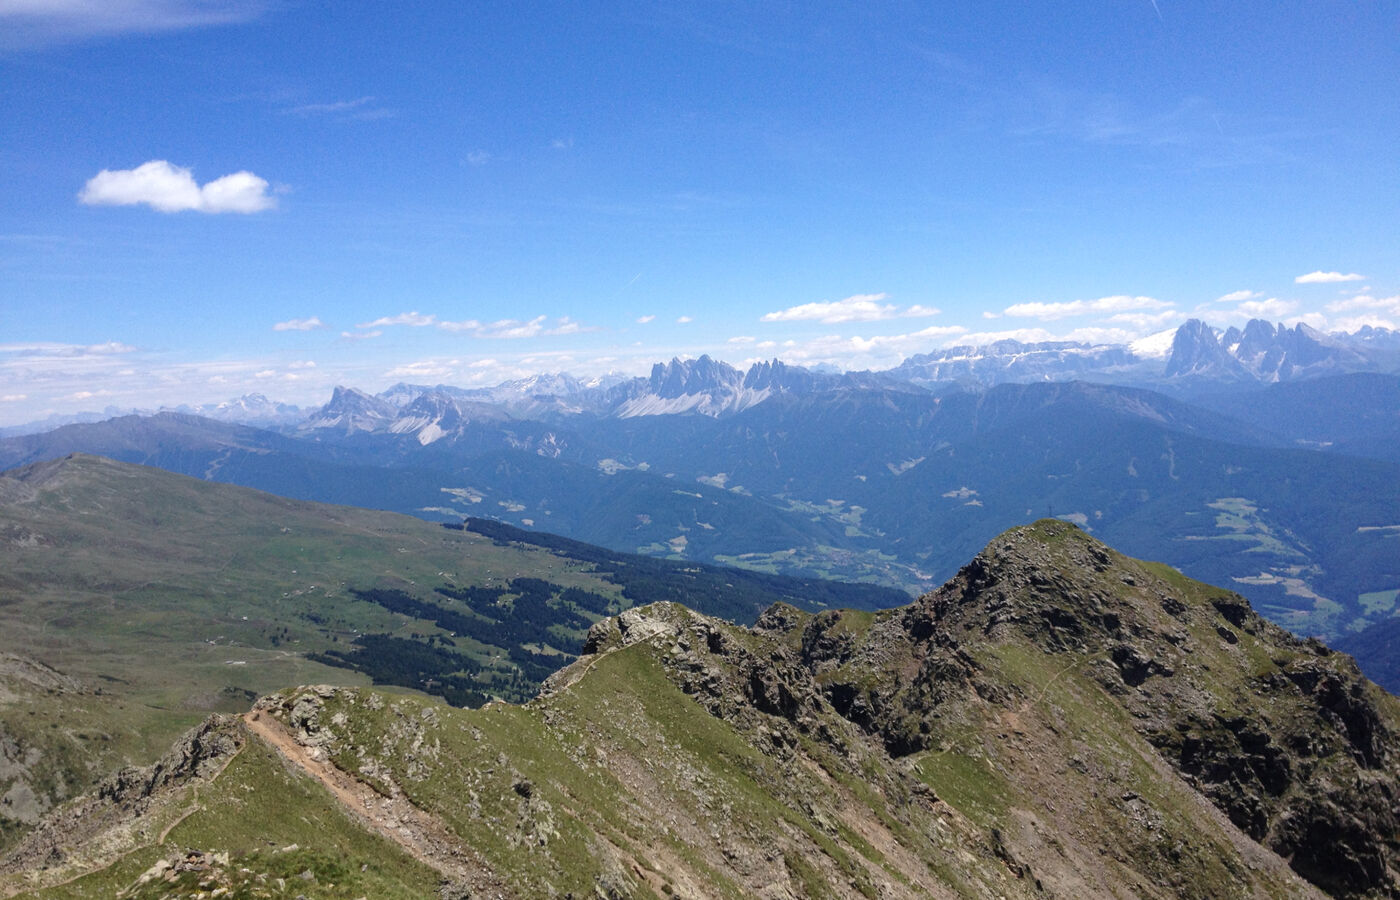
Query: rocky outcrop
x,y
127,795
1055,721
1283,736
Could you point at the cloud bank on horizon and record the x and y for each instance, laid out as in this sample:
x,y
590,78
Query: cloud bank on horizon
x,y
449,206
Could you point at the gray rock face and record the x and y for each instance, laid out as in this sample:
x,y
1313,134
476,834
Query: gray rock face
x,y
1283,736
202,752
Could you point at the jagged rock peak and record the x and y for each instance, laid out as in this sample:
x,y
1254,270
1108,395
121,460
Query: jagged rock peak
x,y
693,376
1283,736
1197,351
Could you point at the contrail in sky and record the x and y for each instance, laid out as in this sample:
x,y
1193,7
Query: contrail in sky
x,y
626,286
1159,11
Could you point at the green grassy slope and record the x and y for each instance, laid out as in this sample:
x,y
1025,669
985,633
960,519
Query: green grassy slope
x,y
155,599
1058,720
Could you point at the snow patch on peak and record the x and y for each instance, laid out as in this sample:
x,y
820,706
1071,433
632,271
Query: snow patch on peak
x,y
1154,346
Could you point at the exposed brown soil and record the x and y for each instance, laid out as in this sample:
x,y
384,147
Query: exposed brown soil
x,y
394,817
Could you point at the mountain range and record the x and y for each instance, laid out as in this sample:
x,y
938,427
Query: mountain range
x,y
1252,458
1192,358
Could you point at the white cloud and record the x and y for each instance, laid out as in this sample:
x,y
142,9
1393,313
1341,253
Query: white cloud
x,y
1355,323
566,325
1321,277
66,351
1237,296
1064,310
856,308
512,329
478,158
642,320
299,324
1377,312
508,329
110,347
505,329
413,319
983,338
1366,301
880,350
13,398
1091,334
684,320
41,22
428,368
1273,308
361,335
169,189
302,364
742,339
1148,321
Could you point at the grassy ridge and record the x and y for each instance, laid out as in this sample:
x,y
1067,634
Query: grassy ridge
x,y
177,597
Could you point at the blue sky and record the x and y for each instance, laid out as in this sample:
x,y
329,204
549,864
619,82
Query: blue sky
x,y
202,198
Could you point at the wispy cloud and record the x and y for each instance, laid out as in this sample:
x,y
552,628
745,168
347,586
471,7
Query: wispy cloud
x,y
1374,320
1321,277
36,23
501,329
1064,310
427,368
413,319
1365,301
510,329
642,320
1237,296
856,308
361,109
1145,321
881,350
169,189
1272,308
66,351
360,335
310,324
1378,312
1092,334
684,320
